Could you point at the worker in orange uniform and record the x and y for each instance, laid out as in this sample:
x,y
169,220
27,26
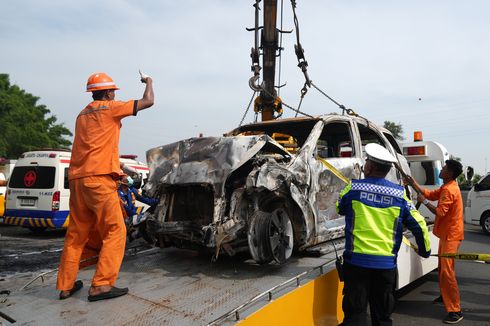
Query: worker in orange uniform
x,y
449,228
95,213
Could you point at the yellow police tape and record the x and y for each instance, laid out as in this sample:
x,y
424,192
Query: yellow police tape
x,y
465,256
334,170
408,243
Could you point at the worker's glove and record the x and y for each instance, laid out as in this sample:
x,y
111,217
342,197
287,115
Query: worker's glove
x,y
143,77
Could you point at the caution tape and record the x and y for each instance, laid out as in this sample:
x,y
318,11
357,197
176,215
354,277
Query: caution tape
x,y
465,256
334,170
408,243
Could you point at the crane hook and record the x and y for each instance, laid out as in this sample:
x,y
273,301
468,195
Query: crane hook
x,y
252,83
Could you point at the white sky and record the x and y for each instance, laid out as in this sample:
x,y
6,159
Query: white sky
x,y
377,57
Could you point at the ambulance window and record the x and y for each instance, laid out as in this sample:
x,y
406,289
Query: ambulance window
x,y
35,177
335,141
424,172
66,183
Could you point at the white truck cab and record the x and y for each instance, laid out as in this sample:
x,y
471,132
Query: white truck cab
x,y
477,211
38,192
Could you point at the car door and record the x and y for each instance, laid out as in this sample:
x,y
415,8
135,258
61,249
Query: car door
x,y
336,161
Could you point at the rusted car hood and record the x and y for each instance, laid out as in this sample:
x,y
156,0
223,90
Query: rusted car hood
x,y
207,160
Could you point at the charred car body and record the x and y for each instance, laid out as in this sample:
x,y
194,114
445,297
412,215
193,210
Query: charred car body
x,y
268,188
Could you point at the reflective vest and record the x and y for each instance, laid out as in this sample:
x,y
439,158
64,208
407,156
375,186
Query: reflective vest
x,y
376,210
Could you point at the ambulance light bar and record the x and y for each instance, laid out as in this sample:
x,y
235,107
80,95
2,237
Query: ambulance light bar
x,y
415,151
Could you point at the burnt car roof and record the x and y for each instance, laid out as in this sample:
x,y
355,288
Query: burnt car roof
x,y
299,128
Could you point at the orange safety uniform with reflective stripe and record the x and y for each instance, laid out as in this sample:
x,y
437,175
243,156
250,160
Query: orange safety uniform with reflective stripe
x,y
95,148
96,222
449,228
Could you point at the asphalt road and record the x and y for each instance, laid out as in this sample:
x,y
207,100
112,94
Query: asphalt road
x,y
22,251
415,307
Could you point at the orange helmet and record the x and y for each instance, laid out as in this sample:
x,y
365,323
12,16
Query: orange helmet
x,y
100,81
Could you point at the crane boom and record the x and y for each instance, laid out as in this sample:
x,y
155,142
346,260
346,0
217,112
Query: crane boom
x,y
269,46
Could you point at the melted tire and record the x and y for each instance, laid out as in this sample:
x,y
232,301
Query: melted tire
x,y
257,238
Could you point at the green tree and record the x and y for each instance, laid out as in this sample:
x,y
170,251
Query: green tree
x,y
25,125
395,129
461,179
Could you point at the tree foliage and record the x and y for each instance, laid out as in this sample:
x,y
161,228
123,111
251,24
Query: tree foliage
x,y
461,179
395,129
25,125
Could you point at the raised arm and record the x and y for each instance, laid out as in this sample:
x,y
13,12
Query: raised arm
x,y
148,97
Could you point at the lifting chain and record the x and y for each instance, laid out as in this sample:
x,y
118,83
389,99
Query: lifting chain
x,y
248,108
298,49
341,106
304,90
293,109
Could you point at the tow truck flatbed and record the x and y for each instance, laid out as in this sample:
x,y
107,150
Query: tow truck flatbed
x,y
167,287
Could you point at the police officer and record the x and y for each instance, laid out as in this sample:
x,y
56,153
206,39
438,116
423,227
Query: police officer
x,y
375,210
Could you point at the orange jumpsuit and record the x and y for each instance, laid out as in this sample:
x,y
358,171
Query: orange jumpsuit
x,y
449,228
96,222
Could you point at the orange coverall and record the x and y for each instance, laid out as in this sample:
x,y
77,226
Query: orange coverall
x,y
449,228
96,222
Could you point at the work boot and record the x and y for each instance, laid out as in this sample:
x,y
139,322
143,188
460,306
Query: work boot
x,y
438,300
453,318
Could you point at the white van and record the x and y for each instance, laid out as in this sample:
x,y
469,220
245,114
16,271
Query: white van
x,y
477,211
38,192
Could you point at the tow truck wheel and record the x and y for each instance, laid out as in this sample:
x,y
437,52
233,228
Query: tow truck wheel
x,y
257,237
280,235
485,223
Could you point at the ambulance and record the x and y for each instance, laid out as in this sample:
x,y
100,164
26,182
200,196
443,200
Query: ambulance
x,y
426,159
37,195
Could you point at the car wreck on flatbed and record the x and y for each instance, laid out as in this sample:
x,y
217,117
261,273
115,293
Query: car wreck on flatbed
x,y
268,188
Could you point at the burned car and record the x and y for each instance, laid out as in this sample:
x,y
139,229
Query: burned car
x,y
268,188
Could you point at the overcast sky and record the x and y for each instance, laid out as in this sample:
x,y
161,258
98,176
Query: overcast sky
x,y
424,64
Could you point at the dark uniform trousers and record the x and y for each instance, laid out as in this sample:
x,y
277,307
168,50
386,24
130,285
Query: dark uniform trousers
x,y
363,286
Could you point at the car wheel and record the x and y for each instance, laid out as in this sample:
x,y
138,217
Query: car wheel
x,y
280,236
485,223
257,237
270,236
